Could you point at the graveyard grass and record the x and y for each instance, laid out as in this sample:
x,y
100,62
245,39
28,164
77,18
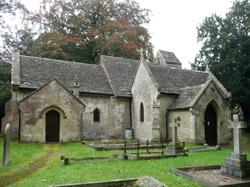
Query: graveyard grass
x,y
56,173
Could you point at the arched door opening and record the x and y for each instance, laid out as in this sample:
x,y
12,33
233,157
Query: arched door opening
x,y
210,125
52,126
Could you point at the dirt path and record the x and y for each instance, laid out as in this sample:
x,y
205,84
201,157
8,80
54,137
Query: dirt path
x,y
34,166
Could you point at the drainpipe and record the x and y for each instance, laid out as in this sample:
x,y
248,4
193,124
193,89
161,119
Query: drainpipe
x,y
19,124
130,115
166,116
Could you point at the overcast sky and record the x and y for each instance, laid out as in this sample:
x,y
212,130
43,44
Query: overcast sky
x,y
174,22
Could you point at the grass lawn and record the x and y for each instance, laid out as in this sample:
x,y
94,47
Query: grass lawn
x,y
56,173
20,155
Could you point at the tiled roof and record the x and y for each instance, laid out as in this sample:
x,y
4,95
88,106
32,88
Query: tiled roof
x,y
172,80
114,76
185,98
35,72
121,73
169,57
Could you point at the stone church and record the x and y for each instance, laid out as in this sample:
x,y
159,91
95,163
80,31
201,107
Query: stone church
x,y
58,101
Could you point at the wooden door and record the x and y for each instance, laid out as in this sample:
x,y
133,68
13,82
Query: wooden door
x,y
210,126
52,126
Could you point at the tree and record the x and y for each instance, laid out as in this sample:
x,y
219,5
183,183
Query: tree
x,y
226,48
22,40
7,8
82,30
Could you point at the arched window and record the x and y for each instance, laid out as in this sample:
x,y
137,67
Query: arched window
x,y
96,115
141,113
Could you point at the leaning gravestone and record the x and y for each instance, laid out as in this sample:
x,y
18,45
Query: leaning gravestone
x,y
6,145
237,165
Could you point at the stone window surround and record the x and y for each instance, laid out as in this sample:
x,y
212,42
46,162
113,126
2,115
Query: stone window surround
x,y
96,119
142,112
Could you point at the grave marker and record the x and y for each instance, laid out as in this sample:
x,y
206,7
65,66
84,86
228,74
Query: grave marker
x,y
176,146
237,165
6,146
175,125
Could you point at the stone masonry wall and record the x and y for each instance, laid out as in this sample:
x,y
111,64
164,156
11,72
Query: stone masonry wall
x,y
143,91
91,129
34,109
223,115
165,101
114,117
184,132
121,119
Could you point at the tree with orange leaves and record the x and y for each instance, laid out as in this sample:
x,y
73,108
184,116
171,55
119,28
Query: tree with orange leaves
x,y
82,30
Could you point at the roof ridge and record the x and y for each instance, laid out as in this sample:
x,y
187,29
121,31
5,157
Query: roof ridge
x,y
181,69
187,87
165,51
119,58
64,61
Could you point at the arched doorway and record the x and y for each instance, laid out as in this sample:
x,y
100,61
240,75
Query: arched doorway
x,y
52,126
211,125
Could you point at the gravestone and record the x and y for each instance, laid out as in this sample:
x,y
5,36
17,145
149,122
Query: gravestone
x,y
237,165
175,146
6,145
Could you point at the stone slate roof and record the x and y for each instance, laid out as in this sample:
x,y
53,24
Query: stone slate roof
x,y
185,98
121,73
172,80
169,57
114,76
35,72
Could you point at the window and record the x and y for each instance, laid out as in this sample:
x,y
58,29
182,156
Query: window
x,y
96,115
141,113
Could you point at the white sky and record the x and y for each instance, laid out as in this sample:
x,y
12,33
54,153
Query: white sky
x,y
174,22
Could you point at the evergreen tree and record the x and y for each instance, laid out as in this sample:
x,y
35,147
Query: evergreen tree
x,y
226,48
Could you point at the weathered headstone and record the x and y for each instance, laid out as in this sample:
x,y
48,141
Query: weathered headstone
x,y
175,146
237,165
175,125
6,146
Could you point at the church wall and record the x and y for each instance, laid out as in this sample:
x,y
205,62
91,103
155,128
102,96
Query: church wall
x,y
34,109
144,91
165,101
19,94
91,129
223,115
185,131
114,117
121,119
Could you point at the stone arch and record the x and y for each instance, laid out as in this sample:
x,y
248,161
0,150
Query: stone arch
x,y
211,125
52,107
